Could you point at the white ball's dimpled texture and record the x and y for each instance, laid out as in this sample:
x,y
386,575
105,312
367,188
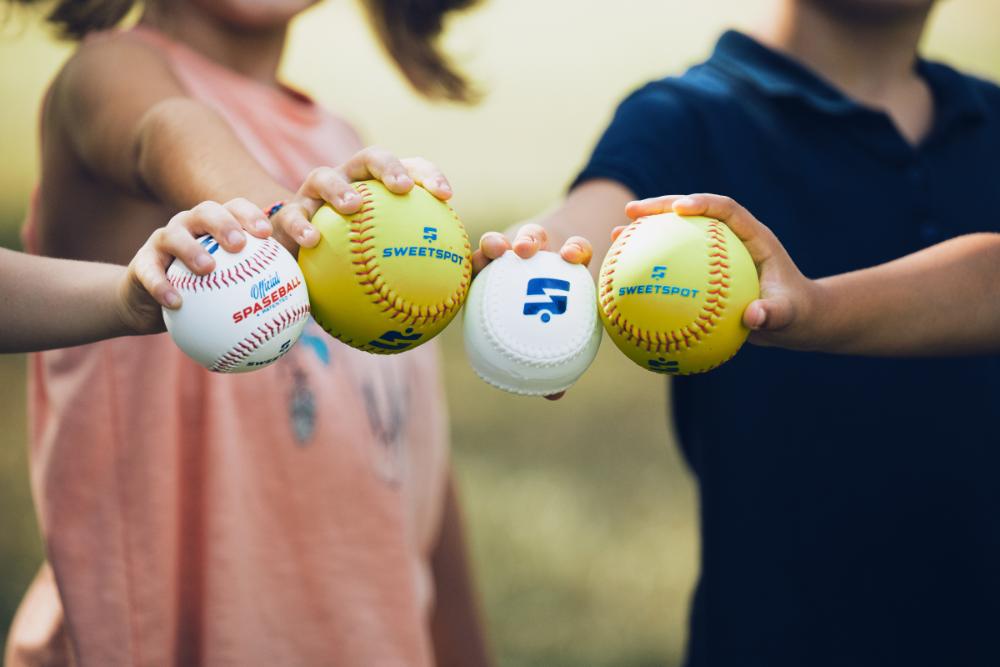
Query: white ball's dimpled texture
x,y
244,315
531,325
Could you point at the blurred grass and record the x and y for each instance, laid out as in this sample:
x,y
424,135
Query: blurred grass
x,y
20,546
581,516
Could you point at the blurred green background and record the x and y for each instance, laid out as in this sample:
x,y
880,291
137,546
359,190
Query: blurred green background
x,y
582,516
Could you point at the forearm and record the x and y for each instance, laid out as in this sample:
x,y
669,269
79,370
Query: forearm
x,y
49,303
185,154
154,139
591,210
944,300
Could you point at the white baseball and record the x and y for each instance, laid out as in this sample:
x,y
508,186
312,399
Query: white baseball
x,y
531,325
245,314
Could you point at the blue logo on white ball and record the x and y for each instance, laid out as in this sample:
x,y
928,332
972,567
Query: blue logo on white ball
x,y
548,287
211,245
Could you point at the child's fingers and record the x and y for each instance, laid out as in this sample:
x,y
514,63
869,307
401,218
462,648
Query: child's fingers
x,y
292,221
577,250
759,240
425,173
149,268
249,216
723,208
375,162
329,184
491,246
529,240
211,218
176,240
651,206
769,314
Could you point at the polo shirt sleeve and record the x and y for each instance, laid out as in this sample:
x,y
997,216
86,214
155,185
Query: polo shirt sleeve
x,y
652,144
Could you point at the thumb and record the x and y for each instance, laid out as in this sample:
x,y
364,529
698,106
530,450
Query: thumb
x,y
770,314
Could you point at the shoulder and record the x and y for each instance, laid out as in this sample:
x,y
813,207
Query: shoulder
x,y
682,101
984,89
988,90
113,63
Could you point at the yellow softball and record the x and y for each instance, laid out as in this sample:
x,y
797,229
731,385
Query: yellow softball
x,y
672,292
391,276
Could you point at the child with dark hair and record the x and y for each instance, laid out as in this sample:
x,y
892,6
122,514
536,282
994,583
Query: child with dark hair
x,y
848,504
300,515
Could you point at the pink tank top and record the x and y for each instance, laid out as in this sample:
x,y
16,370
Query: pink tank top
x,y
281,517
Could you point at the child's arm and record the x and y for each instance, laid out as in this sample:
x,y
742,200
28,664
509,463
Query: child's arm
x,y
941,301
48,303
51,303
136,127
586,215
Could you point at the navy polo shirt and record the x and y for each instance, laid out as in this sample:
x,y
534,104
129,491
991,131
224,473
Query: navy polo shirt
x,y
850,507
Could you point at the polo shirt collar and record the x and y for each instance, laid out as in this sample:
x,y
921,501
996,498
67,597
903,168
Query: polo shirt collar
x,y
778,76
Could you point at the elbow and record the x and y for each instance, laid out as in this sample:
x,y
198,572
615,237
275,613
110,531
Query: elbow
x,y
157,135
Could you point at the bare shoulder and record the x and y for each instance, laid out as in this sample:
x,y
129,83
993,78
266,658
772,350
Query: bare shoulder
x,y
118,71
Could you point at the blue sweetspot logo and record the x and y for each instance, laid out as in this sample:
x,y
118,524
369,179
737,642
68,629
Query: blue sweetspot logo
x,y
394,341
430,235
663,366
556,303
211,245
658,273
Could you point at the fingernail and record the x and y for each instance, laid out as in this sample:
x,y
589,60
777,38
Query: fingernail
x,y
758,316
443,185
234,237
172,298
348,198
262,226
686,202
203,262
400,180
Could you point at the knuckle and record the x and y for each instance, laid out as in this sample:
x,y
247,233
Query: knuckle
x,y
321,174
205,208
178,220
241,206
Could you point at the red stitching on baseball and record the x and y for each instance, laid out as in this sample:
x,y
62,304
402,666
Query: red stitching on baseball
x,y
240,272
259,337
369,276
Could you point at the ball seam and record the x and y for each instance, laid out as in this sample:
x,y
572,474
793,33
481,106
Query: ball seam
x,y
681,338
258,337
370,277
490,320
241,272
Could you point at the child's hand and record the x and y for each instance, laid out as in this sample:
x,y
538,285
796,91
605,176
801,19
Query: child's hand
x,y
333,185
785,314
529,240
145,287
